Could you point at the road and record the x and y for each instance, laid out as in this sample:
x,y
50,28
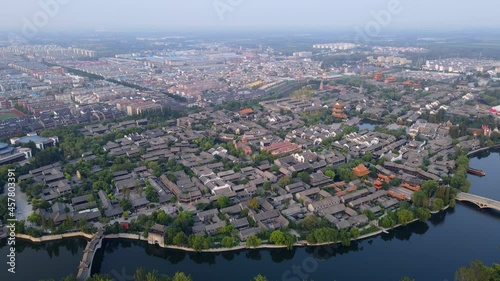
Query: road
x,y
23,209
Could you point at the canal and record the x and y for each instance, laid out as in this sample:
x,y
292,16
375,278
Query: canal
x,y
36,261
367,125
424,251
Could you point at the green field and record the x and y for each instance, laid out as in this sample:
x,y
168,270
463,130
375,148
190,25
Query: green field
x,y
5,116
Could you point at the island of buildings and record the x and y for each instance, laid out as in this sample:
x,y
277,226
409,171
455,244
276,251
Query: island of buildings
x,y
259,147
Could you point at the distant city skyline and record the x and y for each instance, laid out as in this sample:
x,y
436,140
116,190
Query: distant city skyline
x,y
231,14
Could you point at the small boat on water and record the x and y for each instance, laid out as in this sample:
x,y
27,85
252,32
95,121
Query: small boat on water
x,y
476,172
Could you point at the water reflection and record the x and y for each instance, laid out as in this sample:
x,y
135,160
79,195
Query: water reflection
x,y
53,248
229,256
280,255
202,258
404,233
488,212
421,228
486,154
330,251
53,259
439,218
253,255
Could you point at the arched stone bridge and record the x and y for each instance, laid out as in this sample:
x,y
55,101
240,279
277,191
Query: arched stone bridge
x,y
481,202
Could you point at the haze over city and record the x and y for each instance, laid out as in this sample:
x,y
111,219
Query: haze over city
x,y
230,14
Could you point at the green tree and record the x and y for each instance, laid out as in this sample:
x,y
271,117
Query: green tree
x,y
99,277
387,222
140,274
395,182
253,204
280,238
267,185
223,202
438,204
253,241
423,214
151,194
420,199
125,204
305,177
35,218
354,232
228,242
404,216
228,229
180,239
346,174
277,237
69,278
330,174
369,214
155,167
345,238
4,210
430,187
284,181
184,221
198,243
367,157
478,271
311,222
260,278
181,276
163,218
452,203
322,235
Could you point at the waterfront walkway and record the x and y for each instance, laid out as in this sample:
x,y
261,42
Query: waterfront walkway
x,y
483,149
481,202
85,266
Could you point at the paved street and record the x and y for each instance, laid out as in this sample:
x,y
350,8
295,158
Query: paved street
x,y
23,210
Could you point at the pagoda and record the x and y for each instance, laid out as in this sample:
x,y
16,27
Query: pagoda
x,y
339,110
378,77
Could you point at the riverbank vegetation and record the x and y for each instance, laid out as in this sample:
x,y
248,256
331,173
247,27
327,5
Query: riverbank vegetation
x,y
475,271
478,271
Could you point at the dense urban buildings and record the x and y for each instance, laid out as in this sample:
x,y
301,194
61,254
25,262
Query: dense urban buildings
x,y
230,143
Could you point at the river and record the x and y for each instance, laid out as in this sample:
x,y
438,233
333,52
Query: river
x,y
424,251
36,261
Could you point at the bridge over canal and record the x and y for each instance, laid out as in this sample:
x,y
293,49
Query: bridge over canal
x,y
481,202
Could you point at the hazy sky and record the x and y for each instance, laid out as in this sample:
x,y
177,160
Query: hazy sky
x,y
170,14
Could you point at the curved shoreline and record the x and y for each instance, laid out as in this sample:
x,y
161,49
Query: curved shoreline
x,y
139,237
55,237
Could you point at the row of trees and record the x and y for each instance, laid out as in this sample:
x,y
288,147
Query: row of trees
x,y
475,271
421,208
330,235
139,275
478,271
441,196
279,237
67,225
459,180
4,211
